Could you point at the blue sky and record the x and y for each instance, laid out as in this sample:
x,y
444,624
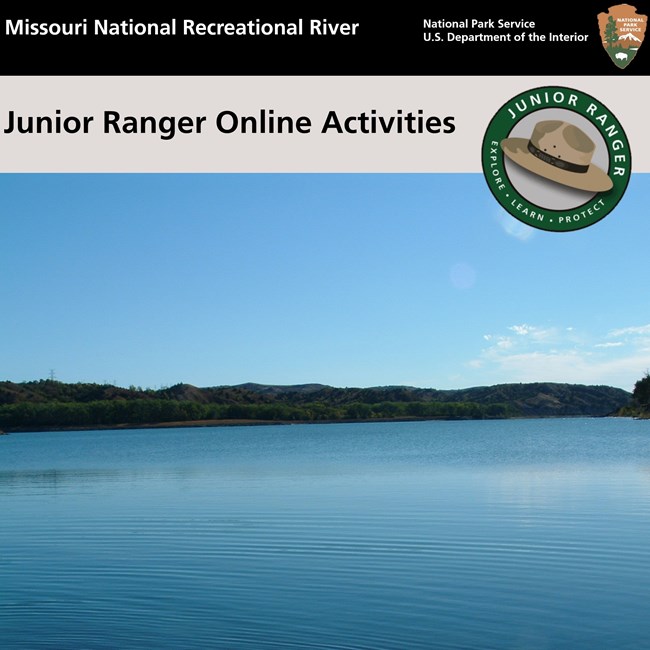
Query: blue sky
x,y
347,280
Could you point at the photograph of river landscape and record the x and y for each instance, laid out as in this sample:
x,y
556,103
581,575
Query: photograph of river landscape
x,y
319,411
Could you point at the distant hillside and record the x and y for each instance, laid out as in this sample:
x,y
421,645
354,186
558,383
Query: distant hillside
x,y
305,389
531,400
53,404
549,399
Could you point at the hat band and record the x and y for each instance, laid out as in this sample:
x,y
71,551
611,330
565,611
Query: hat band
x,y
556,162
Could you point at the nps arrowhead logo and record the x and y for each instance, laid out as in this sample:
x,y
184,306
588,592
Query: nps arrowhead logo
x,y
622,31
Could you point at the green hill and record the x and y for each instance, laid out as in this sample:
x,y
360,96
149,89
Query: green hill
x,y
53,404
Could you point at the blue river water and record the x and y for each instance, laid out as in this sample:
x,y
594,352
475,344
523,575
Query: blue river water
x,y
515,534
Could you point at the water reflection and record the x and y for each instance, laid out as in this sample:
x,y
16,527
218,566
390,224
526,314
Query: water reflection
x,y
527,534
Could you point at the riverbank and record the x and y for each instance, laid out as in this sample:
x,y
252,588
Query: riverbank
x,y
182,424
195,424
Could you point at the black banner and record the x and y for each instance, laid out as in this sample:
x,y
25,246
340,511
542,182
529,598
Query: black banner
x,y
440,40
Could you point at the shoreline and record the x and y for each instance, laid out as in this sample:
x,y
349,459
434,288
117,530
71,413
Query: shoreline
x,y
196,424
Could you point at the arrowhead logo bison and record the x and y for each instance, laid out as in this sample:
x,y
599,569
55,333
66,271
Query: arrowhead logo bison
x,y
622,31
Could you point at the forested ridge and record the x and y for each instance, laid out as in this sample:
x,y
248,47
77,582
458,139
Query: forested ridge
x,y
52,404
639,405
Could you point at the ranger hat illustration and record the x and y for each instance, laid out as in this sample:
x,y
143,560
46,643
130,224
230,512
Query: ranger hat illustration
x,y
560,152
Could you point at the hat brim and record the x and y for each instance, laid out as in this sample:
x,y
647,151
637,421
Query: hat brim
x,y
593,180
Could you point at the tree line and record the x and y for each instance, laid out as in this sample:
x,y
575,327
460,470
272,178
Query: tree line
x,y
57,414
640,406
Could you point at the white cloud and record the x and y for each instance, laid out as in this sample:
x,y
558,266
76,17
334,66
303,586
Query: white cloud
x,y
522,330
534,332
562,354
642,329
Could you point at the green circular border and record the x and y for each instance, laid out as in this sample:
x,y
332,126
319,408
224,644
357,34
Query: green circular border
x,y
507,196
